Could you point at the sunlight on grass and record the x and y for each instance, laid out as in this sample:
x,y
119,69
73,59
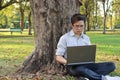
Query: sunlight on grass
x,y
108,48
16,48
107,43
102,57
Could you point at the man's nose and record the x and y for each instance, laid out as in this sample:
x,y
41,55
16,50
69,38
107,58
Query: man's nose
x,y
79,27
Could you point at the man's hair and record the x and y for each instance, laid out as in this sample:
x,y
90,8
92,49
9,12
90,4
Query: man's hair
x,y
77,17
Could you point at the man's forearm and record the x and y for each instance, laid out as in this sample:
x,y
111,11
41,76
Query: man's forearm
x,y
61,59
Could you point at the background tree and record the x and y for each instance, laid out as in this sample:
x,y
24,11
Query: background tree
x,y
106,6
87,9
22,7
29,24
51,18
3,15
28,10
6,3
110,20
96,13
116,12
6,16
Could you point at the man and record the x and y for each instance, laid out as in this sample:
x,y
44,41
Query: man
x,y
93,71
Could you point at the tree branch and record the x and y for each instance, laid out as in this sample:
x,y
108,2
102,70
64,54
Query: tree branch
x,y
8,3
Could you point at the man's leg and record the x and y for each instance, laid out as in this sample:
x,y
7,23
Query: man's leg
x,y
86,72
102,68
81,71
92,71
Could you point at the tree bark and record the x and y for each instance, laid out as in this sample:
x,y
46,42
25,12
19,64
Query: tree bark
x,y
51,19
22,18
96,14
29,24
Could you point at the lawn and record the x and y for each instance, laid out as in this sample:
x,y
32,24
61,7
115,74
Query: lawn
x,y
108,48
14,49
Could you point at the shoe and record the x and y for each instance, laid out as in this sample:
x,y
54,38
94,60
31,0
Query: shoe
x,y
112,77
86,79
104,78
82,78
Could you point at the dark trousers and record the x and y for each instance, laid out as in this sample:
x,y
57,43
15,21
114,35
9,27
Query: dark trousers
x,y
92,71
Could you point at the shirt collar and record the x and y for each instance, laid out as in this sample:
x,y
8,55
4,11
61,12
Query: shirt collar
x,y
73,34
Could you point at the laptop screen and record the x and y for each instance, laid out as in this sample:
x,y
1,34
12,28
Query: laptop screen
x,y
81,54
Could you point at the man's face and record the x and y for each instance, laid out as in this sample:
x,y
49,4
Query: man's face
x,y
78,27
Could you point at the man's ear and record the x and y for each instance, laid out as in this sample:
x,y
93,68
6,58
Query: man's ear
x,y
71,25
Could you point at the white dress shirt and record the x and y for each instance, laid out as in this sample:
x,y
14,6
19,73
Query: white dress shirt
x,y
70,39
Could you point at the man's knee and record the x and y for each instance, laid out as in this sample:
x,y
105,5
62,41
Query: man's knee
x,y
111,65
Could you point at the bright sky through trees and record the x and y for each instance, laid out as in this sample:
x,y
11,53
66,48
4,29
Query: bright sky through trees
x,y
101,6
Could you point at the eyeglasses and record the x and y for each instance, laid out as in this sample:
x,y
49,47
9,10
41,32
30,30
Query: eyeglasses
x,y
78,26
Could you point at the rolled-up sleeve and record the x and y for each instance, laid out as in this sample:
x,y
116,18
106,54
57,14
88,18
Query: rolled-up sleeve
x,y
61,46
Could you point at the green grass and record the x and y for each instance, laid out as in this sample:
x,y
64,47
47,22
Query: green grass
x,y
14,49
108,43
108,48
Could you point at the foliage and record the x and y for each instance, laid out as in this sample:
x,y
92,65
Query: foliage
x,y
115,6
116,11
12,14
94,13
87,9
5,3
117,25
6,15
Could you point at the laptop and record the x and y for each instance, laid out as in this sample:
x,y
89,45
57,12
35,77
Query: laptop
x,y
81,54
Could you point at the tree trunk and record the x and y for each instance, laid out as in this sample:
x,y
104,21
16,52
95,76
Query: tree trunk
x,y
105,15
29,24
51,19
96,15
21,17
104,28
88,22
